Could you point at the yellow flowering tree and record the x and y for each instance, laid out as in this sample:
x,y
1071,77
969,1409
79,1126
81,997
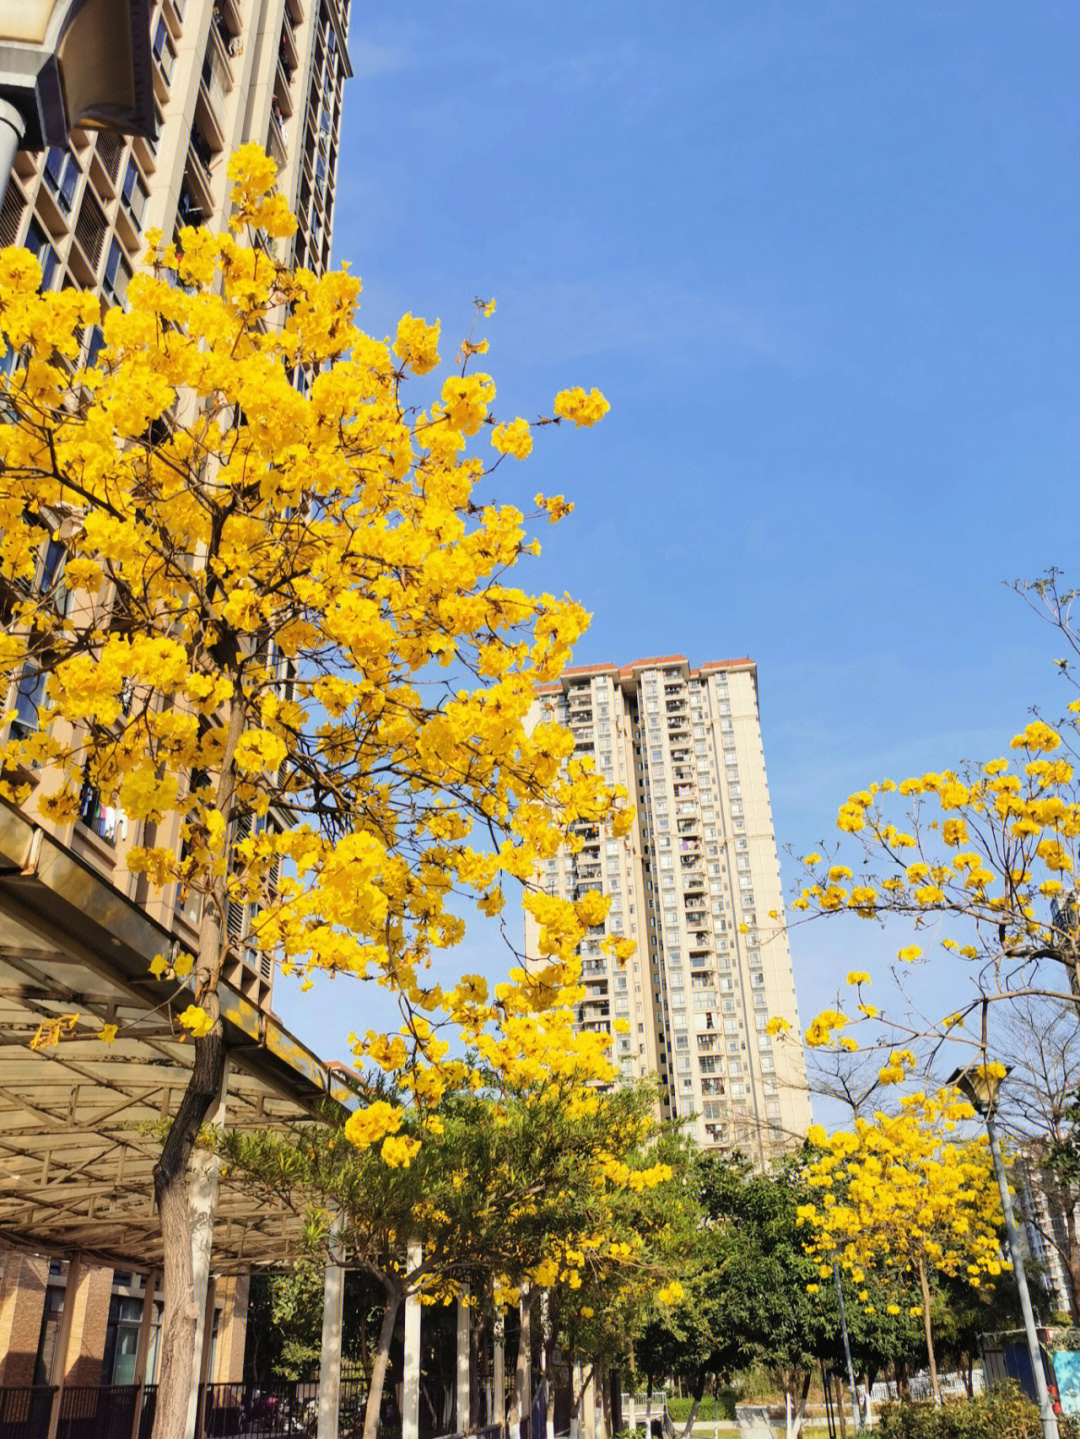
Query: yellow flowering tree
x,y
982,861
284,645
899,1196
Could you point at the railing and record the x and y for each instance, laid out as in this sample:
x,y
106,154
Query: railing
x,y
99,1411
284,1410
276,1411
25,1410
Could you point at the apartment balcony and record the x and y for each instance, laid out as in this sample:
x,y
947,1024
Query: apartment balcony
x,y
173,11
295,10
275,142
289,55
227,14
188,210
584,887
88,242
215,84
199,179
283,89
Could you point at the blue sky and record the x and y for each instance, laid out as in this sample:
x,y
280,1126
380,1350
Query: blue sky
x,y
822,260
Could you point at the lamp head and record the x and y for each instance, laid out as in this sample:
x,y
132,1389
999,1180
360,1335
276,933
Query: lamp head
x,y
980,1083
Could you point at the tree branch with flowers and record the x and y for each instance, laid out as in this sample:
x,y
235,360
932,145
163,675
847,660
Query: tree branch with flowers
x,y
288,651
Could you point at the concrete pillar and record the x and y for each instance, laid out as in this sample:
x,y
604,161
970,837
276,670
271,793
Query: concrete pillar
x,y
498,1371
330,1350
206,1358
202,1191
410,1395
12,128
463,1367
142,1350
23,1281
63,1339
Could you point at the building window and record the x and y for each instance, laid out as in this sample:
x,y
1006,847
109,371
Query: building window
x,y
135,193
122,1340
106,822
29,695
50,1325
117,275
62,176
164,51
37,242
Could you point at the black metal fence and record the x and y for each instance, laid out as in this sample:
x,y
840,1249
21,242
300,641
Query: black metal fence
x,y
25,1411
226,1411
288,1410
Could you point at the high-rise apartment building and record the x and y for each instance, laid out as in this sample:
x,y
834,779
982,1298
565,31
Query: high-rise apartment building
x,y
225,72
694,883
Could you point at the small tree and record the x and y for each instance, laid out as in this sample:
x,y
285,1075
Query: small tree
x,y
982,857
899,1197
283,645
549,1188
747,1297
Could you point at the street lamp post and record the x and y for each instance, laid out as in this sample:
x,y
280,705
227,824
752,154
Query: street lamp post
x,y
847,1348
68,63
981,1086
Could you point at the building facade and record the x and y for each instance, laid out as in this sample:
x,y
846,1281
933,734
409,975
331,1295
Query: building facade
x,y
1050,1228
225,73
697,884
107,1309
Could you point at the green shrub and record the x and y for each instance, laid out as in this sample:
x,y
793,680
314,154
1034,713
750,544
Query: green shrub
x,y
679,1409
1004,1413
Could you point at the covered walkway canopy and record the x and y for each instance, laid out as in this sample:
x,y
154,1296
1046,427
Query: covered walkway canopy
x,y
81,1120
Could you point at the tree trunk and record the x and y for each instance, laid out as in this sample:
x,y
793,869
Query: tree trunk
x,y
700,1380
1072,1257
841,1407
180,1316
800,1412
523,1364
177,1374
373,1406
924,1285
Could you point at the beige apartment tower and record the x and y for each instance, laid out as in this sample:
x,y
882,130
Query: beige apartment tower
x,y
225,72
694,883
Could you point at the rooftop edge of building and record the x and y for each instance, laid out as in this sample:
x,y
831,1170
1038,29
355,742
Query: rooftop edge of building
x,y
628,672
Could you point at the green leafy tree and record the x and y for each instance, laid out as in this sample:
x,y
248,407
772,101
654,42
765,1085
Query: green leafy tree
x,y
540,1186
